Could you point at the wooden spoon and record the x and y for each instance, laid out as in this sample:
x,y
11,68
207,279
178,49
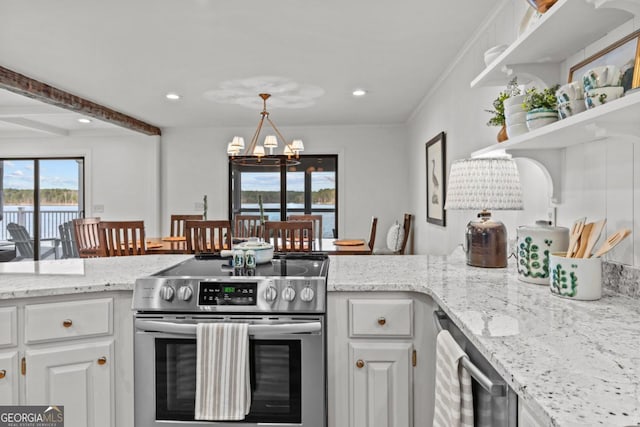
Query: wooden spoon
x,y
612,241
584,240
596,230
576,230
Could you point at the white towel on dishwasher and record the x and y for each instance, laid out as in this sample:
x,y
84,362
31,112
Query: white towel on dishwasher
x,y
223,389
454,397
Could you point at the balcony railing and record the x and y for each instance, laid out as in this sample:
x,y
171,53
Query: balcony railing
x,y
49,221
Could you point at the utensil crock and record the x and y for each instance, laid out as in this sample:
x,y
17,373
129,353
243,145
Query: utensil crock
x,y
534,245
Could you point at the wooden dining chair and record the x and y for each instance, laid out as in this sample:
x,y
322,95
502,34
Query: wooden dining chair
x,y
290,236
87,237
316,220
247,226
177,224
208,236
372,233
397,238
122,238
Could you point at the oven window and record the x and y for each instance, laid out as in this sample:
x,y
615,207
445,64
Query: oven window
x,y
276,374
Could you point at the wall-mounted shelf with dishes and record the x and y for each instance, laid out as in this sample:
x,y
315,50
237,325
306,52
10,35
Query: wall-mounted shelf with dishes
x,y
616,118
567,27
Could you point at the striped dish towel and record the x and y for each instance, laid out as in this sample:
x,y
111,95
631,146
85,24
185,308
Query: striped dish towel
x,y
454,398
223,389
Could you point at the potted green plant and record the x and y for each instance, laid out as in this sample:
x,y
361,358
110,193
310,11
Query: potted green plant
x,y
541,106
498,118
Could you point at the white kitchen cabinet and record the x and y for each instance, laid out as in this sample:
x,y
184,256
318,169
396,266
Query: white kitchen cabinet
x,y
79,377
381,359
9,377
381,384
72,350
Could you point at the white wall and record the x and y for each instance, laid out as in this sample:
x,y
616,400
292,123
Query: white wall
x,y
596,179
372,174
121,172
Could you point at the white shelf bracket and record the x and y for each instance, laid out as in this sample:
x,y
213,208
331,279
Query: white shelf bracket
x,y
631,6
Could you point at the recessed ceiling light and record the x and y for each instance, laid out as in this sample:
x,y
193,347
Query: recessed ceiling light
x,y
359,92
172,96
84,120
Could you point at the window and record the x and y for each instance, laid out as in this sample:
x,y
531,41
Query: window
x,y
37,196
307,188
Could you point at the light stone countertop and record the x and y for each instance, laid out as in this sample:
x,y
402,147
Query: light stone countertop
x,y
72,276
574,363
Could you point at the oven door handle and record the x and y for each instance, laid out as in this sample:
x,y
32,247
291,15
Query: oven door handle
x,y
254,329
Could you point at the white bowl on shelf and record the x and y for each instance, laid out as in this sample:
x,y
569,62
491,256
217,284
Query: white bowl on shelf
x,y
516,118
517,129
541,117
492,53
513,103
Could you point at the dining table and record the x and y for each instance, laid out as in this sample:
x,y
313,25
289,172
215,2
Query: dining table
x,y
178,245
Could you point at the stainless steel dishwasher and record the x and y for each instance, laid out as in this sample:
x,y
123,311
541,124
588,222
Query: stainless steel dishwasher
x,y
495,404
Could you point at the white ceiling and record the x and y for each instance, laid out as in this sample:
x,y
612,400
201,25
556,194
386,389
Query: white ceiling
x,y
127,54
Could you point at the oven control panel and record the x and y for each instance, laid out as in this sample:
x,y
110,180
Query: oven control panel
x,y
231,294
227,293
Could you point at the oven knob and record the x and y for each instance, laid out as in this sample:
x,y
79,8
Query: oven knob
x,y
270,294
289,294
185,293
166,293
307,294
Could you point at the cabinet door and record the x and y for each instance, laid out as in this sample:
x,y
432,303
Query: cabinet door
x,y
9,377
380,384
79,377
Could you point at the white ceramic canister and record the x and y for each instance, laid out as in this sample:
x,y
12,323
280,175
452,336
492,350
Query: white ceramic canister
x,y
576,278
534,247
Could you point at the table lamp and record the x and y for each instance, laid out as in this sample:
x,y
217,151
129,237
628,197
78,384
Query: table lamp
x,y
485,184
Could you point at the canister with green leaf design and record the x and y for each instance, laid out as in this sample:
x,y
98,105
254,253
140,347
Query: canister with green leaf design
x,y
534,247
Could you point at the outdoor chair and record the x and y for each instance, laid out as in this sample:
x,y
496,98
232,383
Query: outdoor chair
x,y
24,243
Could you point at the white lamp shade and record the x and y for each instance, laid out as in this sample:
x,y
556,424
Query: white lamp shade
x,y
270,141
297,145
288,151
232,150
238,141
258,151
484,183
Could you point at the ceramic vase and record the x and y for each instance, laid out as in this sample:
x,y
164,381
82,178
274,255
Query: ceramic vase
x,y
502,135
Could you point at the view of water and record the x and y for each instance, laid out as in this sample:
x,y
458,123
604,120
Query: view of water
x,y
328,218
52,217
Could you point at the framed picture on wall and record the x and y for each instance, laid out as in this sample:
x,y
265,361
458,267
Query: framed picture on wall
x,y
436,163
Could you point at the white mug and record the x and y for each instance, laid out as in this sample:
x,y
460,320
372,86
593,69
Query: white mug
x,y
570,92
607,75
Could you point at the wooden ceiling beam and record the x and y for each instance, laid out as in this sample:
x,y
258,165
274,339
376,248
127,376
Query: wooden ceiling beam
x,y
23,85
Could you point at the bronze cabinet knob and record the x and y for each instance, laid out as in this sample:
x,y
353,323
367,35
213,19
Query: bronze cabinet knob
x,y
3,373
102,360
381,321
360,363
67,323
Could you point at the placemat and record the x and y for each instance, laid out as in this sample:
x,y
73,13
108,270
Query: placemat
x,y
349,242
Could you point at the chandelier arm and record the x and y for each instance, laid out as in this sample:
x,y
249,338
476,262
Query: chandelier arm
x,y
284,141
254,139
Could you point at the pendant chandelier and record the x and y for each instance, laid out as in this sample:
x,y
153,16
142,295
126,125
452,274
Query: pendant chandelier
x,y
255,154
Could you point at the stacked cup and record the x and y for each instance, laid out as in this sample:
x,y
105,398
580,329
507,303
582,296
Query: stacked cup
x,y
515,116
570,99
602,84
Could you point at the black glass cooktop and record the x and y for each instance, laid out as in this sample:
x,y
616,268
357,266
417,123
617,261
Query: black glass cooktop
x,y
315,264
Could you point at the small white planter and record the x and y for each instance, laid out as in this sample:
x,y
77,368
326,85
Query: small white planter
x,y
539,117
576,278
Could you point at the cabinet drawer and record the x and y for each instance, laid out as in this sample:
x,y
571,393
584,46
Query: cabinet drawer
x,y
8,327
369,317
65,320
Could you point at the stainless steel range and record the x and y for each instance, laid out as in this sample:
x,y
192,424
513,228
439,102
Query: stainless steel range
x,y
284,303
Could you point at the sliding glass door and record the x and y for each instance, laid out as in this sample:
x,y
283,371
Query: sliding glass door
x,y
39,195
309,187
